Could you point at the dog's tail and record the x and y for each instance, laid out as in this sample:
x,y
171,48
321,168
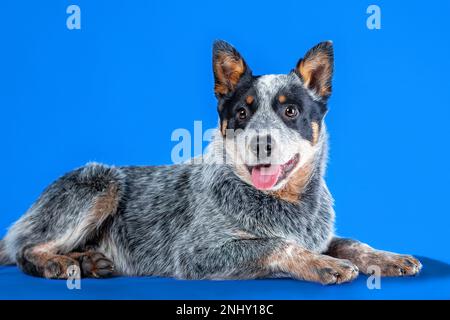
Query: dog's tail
x,y
4,258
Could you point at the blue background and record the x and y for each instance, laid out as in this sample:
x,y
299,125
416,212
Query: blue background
x,y
115,90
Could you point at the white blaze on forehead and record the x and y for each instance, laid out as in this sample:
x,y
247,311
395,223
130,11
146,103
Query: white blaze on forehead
x,y
266,122
269,85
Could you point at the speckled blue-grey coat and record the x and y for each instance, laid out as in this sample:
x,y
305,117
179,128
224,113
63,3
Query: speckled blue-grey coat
x,y
256,205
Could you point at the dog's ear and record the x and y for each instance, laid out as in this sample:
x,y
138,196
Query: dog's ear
x,y
229,68
316,69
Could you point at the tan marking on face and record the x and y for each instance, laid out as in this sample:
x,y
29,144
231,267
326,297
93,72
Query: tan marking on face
x,y
227,71
315,132
249,100
292,190
282,99
224,127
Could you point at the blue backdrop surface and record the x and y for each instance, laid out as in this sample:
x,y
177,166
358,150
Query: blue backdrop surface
x,y
115,90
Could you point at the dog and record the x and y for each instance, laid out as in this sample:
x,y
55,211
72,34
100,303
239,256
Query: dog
x,y
255,206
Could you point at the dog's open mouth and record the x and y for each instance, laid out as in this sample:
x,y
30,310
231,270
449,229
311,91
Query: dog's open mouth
x,y
266,176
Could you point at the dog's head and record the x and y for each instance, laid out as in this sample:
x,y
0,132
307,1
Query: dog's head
x,y
272,125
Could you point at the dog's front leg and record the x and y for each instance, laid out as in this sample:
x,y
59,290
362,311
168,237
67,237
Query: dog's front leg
x,y
259,258
366,258
299,263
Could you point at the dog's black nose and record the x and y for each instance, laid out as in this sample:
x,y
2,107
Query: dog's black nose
x,y
261,146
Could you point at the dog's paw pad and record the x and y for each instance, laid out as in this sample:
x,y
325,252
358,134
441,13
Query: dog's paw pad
x,y
339,271
96,265
401,265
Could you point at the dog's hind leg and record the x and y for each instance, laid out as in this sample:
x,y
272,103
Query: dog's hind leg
x,y
42,260
368,259
71,213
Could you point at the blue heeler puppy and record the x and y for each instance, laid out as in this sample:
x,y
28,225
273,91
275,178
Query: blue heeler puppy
x,y
255,206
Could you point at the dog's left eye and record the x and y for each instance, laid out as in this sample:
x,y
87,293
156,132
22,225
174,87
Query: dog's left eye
x,y
291,111
242,114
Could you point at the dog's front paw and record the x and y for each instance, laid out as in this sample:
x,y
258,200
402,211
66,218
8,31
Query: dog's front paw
x,y
335,271
401,265
391,264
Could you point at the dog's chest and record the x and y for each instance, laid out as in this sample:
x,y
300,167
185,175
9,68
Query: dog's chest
x,y
310,222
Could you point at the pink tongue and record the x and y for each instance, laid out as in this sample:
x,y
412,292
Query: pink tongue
x,y
264,178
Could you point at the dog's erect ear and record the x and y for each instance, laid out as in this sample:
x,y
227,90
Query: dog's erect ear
x,y
229,68
316,69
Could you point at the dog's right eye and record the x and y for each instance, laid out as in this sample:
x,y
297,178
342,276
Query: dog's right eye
x,y
242,114
291,111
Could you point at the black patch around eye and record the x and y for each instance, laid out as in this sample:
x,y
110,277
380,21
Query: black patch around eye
x,y
309,111
230,106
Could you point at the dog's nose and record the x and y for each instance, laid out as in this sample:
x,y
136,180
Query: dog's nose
x,y
261,146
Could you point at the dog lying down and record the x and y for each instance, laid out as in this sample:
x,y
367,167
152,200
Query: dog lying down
x,y
256,206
